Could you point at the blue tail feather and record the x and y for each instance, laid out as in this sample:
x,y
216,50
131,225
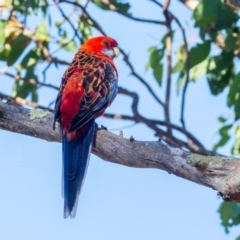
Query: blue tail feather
x,y
76,155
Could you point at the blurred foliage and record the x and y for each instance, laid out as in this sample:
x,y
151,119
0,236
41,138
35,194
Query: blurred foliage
x,y
230,215
218,25
25,45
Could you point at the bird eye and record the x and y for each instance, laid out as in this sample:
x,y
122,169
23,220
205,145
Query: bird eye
x,y
106,43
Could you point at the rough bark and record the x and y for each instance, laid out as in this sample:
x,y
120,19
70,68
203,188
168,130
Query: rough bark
x,y
219,173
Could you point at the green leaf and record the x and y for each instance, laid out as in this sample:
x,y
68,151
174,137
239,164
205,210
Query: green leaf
x,y
157,72
202,32
206,12
181,80
31,58
234,96
20,6
179,66
219,80
199,70
85,27
122,6
24,88
223,131
236,145
216,13
220,72
59,23
17,48
229,214
2,32
227,17
41,33
199,53
34,95
181,57
198,61
44,5
222,119
33,4
4,53
101,5
156,56
232,41
68,45
181,53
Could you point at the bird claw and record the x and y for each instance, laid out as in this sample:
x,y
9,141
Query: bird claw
x,y
131,139
104,128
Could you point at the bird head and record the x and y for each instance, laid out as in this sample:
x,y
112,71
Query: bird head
x,y
101,45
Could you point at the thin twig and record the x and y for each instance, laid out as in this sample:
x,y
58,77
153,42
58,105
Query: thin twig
x,y
29,80
169,138
23,102
114,9
75,30
187,67
144,82
169,61
158,122
45,70
86,4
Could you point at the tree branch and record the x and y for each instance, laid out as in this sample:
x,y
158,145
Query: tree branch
x,y
114,9
219,173
192,145
157,122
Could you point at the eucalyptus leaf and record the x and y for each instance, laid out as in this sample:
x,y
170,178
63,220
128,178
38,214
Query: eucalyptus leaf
x,y
42,33
3,24
229,214
199,53
17,48
156,56
122,6
224,137
68,45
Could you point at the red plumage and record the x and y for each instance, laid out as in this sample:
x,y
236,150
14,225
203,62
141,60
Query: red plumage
x,y
88,87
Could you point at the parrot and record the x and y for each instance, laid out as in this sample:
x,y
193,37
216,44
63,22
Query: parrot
x,y
89,85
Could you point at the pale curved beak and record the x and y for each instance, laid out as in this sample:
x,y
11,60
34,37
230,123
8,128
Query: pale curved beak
x,y
116,51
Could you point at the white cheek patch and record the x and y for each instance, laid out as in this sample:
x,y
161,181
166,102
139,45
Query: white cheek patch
x,y
109,53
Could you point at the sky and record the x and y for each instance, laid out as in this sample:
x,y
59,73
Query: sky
x,y
117,202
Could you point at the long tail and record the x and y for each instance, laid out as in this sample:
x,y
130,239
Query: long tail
x,y
76,155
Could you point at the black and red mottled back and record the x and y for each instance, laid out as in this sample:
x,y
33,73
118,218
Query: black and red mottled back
x,y
99,81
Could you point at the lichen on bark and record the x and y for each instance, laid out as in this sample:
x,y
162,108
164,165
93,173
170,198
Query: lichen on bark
x,y
200,160
37,114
